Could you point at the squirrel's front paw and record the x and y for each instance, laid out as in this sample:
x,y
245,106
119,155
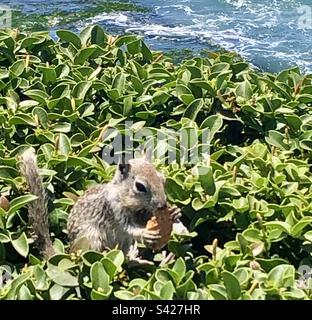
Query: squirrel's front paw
x,y
133,252
175,213
151,237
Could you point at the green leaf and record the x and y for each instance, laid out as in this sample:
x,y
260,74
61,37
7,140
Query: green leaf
x,y
84,54
175,192
119,82
61,277
30,41
244,90
276,139
21,245
239,67
127,295
24,119
218,291
42,116
186,286
68,36
17,68
90,257
28,104
306,144
99,295
125,39
204,85
63,127
241,205
182,89
117,257
179,267
134,47
282,276
16,284
98,36
64,146
49,75
80,90
213,123
109,267
100,279
113,94
165,275
24,293
147,54
243,276
37,95
206,179
232,285
167,291
308,236
283,226
7,172
193,108
57,292
300,225
20,202
40,280
269,264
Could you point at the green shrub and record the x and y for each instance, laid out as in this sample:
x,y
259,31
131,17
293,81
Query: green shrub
x,y
249,216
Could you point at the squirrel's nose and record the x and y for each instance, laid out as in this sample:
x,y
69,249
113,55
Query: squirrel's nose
x,y
159,202
161,205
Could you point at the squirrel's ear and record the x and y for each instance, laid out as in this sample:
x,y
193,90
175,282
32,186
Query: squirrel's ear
x,y
146,154
121,172
124,168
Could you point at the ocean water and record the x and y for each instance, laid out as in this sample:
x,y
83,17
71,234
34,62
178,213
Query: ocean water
x,y
271,34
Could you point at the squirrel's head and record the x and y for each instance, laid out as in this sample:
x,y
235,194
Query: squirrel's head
x,y
142,186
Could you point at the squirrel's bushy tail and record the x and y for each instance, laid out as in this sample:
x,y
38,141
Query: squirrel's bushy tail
x,y
37,209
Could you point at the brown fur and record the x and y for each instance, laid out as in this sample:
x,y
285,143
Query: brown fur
x,y
107,216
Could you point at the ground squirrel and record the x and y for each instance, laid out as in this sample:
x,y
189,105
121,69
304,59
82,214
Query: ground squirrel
x,y
107,215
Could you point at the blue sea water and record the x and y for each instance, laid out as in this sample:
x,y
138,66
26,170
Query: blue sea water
x,y
271,34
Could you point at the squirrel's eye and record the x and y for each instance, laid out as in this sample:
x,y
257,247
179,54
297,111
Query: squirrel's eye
x,y
140,187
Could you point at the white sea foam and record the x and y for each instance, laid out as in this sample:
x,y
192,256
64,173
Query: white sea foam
x,y
185,8
258,30
115,18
